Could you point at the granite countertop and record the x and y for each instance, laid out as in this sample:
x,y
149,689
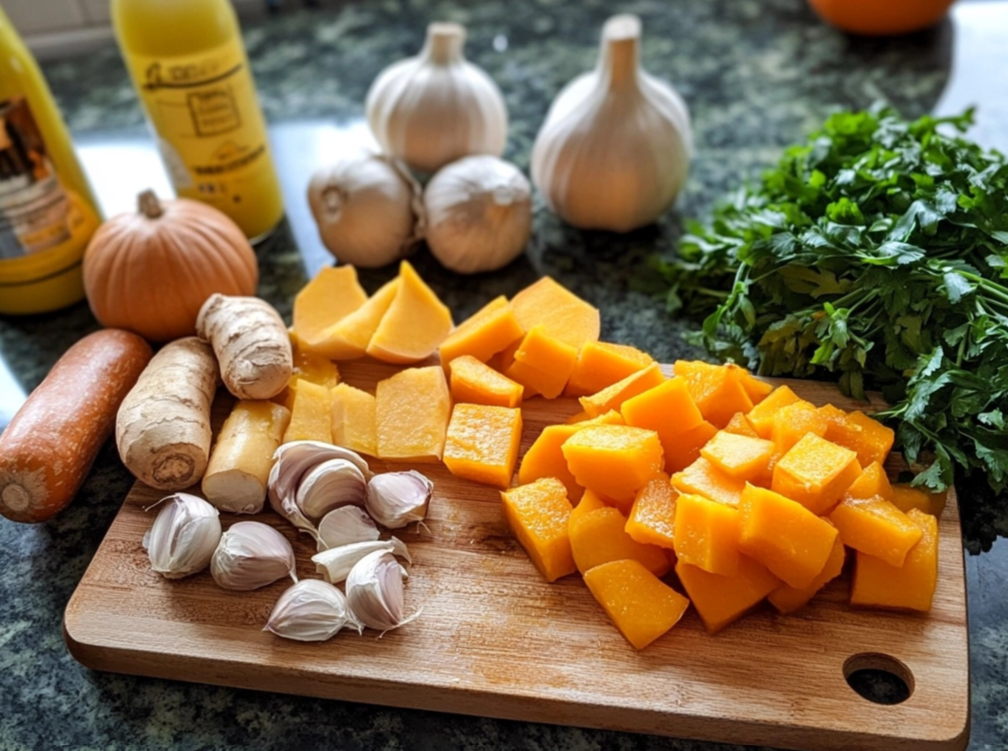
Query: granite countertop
x,y
757,75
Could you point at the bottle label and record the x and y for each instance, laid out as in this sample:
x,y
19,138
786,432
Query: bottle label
x,y
206,117
36,212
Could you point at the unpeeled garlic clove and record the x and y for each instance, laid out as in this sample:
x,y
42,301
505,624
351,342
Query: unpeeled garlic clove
x,y
335,564
311,610
251,555
374,592
183,537
395,499
329,485
345,525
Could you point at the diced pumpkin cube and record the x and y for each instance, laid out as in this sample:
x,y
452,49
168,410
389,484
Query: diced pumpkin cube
x,y
703,478
905,497
590,501
486,332
310,414
722,600
309,366
784,536
542,362
706,534
353,419
907,587
537,514
667,409
788,599
739,456
600,536
871,483
415,323
739,425
762,416
411,414
815,473
793,421
638,603
348,338
614,460
876,527
482,443
684,449
716,389
564,315
333,294
860,433
612,397
756,389
652,517
601,364
477,383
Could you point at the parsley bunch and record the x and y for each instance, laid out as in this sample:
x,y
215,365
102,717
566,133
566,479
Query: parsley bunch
x,y
876,253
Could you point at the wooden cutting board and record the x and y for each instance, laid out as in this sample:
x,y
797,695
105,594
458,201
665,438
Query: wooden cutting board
x,y
494,639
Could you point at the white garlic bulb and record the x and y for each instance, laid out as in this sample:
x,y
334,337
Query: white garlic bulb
x,y
183,537
479,214
345,525
374,592
251,555
367,208
311,610
614,150
395,499
434,108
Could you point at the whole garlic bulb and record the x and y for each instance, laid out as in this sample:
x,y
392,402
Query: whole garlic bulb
x,y
614,150
367,208
434,108
479,214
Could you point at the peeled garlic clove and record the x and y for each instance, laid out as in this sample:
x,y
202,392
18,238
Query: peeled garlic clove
x,y
251,555
367,208
335,564
329,485
374,592
311,610
614,150
479,214
345,525
183,537
434,108
395,499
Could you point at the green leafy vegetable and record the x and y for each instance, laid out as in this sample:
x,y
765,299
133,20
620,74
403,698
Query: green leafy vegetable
x,y
876,254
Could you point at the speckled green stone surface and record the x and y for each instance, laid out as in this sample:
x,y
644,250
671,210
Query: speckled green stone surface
x,y
757,74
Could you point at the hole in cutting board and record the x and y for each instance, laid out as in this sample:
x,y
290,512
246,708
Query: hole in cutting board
x,y
879,678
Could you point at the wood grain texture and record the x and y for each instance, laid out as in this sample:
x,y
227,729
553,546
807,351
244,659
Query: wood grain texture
x,y
495,639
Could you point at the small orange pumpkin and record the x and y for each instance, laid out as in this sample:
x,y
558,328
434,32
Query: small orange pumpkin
x,y
151,271
881,17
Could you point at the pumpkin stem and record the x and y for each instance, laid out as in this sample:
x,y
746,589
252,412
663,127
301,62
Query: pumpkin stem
x,y
149,205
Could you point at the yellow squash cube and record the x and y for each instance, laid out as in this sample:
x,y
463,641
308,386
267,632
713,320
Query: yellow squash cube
x,y
721,600
789,599
601,364
482,443
706,534
652,517
739,456
411,415
907,587
612,397
537,514
311,418
477,383
353,419
600,535
614,460
815,473
876,527
703,478
485,333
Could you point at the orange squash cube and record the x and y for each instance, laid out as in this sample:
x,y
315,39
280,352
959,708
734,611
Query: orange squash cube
x,y
353,419
614,460
412,409
482,443
600,536
349,337
716,389
762,416
542,362
505,358
612,397
703,478
311,418
415,323
905,497
601,364
590,501
333,294
638,603
860,433
308,366
871,483
537,514
722,600
684,449
486,332
477,383
563,315
788,599
667,409
793,421
739,456
815,473
756,389
784,536
739,425
907,587
706,534
876,527
652,517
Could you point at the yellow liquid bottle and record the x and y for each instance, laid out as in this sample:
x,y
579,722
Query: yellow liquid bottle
x,y
47,210
189,66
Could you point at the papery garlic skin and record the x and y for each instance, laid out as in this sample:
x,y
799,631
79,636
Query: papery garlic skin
x,y
374,592
345,525
479,214
395,499
251,555
367,208
183,537
614,150
434,108
311,610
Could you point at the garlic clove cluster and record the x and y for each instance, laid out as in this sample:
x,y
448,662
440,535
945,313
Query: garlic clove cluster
x,y
479,214
345,525
374,592
183,537
614,150
336,563
434,108
395,499
252,555
311,610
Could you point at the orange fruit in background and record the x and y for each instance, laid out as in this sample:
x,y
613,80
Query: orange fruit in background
x,y
881,17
